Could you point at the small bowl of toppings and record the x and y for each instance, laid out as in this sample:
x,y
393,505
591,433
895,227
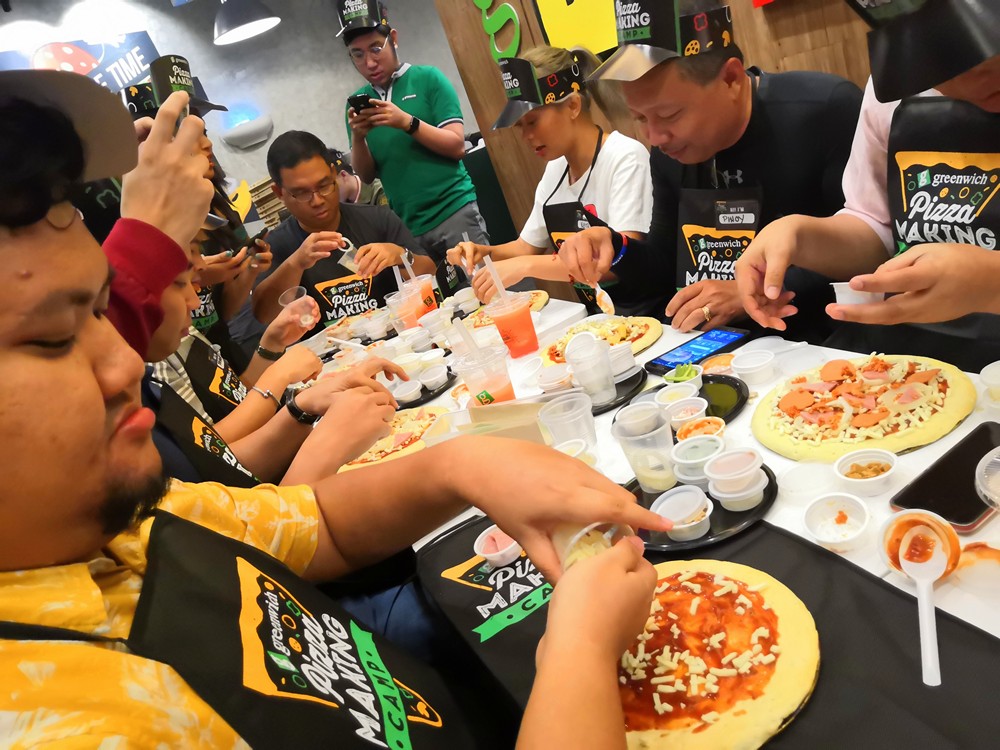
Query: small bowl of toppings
x,y
498,548
896,526
407,391
578,448
555,378
573,543
837,521
686,374
695,477
694,453
734,471
639,419
847,296
720,364
672,393
690,510
433,357
686,409
988,478
866,472
411,363
746,499
754,367
704,426
434,377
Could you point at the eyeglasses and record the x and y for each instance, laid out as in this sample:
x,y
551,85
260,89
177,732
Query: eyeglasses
x,y
360,54
304,196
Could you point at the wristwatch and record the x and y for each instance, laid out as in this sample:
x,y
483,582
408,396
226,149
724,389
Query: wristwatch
x,y
414,124
408,254
268,354
300,416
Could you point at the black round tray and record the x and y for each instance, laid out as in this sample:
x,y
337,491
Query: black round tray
x,y
725,523
428,395
715,409
624,391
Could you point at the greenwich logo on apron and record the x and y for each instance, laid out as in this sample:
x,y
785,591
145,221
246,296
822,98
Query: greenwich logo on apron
x,y
944,196
226,383
207,315
210,440
712,252
348,295
512,592
289,653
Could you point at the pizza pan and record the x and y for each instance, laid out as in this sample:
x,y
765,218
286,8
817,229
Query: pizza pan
x,y
726,396
624,391
429,395
725,523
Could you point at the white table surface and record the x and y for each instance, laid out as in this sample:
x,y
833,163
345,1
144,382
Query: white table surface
x,y
974,606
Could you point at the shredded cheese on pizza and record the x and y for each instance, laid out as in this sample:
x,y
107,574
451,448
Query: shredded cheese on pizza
x,y
614,330
408,427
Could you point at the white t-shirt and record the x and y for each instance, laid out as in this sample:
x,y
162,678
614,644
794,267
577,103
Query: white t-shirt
x,y
866,177
620,189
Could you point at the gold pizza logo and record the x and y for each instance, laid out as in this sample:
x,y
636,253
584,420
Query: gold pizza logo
x,y
693,48
550,98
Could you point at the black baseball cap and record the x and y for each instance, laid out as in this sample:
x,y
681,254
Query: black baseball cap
x,y
526,90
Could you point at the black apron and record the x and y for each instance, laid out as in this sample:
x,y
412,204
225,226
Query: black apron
x,y
214,382
944,174
207,320
201,445
283,665
562,220
340,292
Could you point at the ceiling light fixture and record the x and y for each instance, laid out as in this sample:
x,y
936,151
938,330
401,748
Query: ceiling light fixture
x,y
242,19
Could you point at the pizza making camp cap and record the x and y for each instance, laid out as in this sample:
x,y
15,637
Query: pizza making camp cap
x,y
100,120
357,15
526,91
915,45
652,31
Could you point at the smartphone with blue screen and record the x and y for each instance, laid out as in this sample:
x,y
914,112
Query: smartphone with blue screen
x,y
691,352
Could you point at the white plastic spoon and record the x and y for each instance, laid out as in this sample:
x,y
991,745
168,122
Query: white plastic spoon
x,y
924,574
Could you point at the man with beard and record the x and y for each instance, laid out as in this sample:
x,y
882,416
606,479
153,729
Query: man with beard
x,y
84,570
733,149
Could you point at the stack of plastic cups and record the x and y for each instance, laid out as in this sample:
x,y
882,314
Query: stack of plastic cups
x,y
643,432
570,417
405,307
590,358
436,323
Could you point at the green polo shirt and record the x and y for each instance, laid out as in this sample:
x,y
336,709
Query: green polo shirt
x,y
423,188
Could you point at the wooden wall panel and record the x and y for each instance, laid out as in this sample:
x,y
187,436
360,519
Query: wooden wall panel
x,y
785,35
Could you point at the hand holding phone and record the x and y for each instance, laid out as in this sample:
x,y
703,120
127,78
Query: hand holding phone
x,y
359,102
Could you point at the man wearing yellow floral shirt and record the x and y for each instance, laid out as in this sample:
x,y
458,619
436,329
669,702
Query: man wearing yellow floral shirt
x,y
79,550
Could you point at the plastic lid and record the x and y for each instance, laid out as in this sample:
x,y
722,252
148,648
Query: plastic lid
x,y
680,505
988,478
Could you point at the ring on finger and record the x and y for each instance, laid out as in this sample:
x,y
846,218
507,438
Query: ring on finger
x,y
707,312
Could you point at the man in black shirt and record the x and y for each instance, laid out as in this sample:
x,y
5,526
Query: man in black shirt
x,y
733,149
309,246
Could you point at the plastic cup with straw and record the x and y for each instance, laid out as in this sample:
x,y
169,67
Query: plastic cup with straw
x,y
512,315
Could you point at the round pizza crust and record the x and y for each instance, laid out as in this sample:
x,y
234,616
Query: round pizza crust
x,y
959,403
751,723
653,332
431,411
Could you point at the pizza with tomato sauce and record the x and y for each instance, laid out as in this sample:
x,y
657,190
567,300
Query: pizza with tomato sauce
x,y
727,658
892,402
408,428
640,332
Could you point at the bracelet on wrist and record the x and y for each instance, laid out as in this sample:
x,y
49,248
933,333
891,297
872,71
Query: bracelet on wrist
x,y
619,242
269,355
267,394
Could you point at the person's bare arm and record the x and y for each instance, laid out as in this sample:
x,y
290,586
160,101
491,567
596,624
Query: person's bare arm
x,y
371,513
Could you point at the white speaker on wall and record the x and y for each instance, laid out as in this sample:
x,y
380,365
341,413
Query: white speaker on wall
x,y
249,133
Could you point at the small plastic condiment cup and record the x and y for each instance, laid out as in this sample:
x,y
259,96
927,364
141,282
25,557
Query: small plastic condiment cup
x,y
436,321
573,543
804,482
648,453
697,381
638,419
988,478
375,326
692,454
837,521
577,449
894,528
432,357
411,363
873,485
466,294
847,296
990,375
570,417
622,358
695,477
408,391
672,393
754,367
735,470
434,377
497,559
746,499
704,426
683,411
678,501
420,340
555,378
590,359
470,306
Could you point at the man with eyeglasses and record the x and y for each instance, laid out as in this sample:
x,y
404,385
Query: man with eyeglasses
x,y
410,134
311,247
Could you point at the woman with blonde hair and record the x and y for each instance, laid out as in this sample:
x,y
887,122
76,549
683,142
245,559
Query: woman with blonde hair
x,y
592,178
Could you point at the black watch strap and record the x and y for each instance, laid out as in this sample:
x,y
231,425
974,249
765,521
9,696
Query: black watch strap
x,y
268,354
297,413
414,124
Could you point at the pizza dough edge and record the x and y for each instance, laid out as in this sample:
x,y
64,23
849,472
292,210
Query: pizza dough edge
x,y
650,337
790,687
959,404
412,448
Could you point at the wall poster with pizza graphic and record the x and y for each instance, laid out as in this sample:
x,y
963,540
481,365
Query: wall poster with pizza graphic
x,y
579,23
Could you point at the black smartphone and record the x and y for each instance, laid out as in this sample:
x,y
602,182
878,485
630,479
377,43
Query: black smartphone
x,y
359,102
948,486
694,351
